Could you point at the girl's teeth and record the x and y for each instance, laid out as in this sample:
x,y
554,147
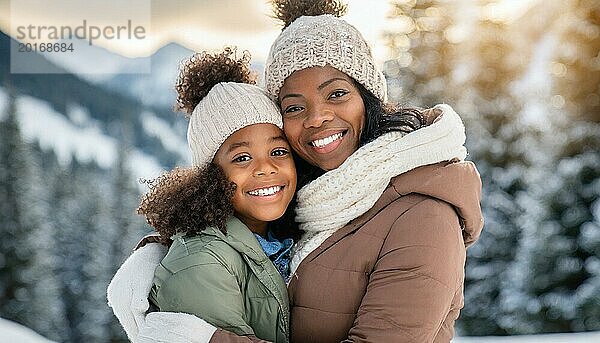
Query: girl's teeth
x,y
266,191
327,140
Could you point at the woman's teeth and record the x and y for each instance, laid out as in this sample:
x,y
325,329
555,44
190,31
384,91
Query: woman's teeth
x,y
319,143
265,191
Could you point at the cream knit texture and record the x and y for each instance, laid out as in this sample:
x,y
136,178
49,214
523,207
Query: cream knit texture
x,y
127,293
174,327
345,193
312,41
228,107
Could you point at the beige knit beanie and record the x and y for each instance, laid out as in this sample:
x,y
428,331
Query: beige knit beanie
x,y
321,40
217,91
228,107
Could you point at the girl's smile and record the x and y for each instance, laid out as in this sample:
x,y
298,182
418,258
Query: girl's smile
x,y
257,159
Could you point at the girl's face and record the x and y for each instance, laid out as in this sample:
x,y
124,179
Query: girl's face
x,y
323,115
257,159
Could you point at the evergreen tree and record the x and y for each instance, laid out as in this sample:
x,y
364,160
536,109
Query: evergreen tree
x,y
17,230
94,215
421,71
28,287
71,207
559,281
85,257
565,258
126,228
47,303
497,140
578,62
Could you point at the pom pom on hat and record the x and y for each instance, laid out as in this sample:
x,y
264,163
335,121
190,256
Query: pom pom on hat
x,y
289,10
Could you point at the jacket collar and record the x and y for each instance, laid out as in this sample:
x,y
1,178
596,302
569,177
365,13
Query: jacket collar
x,y
240,238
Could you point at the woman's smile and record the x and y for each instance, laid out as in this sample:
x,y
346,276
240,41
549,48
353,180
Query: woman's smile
x,y
327,144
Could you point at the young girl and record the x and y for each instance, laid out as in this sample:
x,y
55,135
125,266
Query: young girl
x,y
225,263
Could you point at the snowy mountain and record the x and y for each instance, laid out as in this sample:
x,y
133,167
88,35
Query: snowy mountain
x,y
129,76
155,88
94,63
78,136
77,119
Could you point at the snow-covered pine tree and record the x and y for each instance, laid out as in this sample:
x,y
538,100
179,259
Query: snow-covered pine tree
x,y
71,206
17,231
50,320
497,141
560,286
92,183
29,289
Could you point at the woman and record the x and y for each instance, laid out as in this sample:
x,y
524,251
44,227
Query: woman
x,y
387,216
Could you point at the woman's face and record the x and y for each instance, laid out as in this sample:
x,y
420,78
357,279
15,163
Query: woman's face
x,y
323,115
257,159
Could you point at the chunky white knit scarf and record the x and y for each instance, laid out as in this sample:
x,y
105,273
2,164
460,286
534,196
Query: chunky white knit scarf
x,y
343,194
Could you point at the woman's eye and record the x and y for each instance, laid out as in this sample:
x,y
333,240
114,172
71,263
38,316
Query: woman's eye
x,y
338,93
242,158
292,109
280,152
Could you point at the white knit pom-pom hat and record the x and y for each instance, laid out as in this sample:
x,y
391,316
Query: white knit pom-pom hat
x,y
228,107
312,41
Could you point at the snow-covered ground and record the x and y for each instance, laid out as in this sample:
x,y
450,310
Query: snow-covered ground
x,y
585,337
12,332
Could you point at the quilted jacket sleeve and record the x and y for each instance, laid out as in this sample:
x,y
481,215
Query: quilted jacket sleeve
x,y
176,294
415,288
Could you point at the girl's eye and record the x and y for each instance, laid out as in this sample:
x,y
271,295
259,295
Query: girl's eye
x,y
280,152
241,158
338,93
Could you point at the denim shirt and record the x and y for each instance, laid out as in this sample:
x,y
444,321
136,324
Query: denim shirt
x,y
278,252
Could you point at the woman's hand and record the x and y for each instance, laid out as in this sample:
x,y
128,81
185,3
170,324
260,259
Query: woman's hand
x,y
128,291
174,328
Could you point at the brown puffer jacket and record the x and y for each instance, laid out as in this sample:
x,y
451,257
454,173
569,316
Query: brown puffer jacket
x,y
394,274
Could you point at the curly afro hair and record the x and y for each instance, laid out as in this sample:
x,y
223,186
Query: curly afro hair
x,y
289,10
202,71
188,200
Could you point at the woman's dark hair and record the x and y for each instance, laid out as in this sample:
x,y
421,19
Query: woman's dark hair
x,y
380,118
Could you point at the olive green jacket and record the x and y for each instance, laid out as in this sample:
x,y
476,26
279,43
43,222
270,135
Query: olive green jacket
x,y
226,280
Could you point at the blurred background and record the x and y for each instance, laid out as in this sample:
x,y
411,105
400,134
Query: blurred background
x,y
523,74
